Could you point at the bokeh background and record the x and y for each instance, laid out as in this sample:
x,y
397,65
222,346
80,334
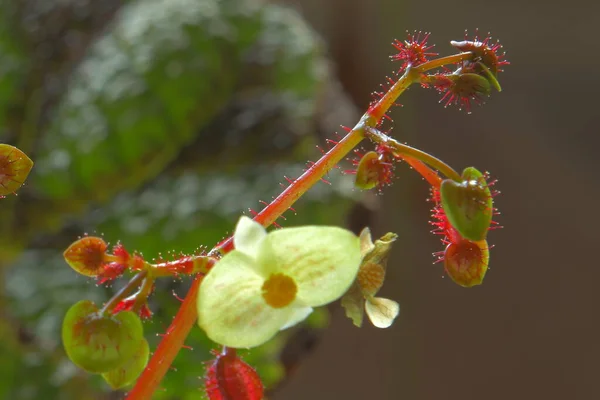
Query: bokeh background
x,y
157,122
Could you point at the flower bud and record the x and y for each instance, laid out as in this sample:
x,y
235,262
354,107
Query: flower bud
x,y
371,172
230,378
86,255
482,51
468,204
466,262
14,168
100,343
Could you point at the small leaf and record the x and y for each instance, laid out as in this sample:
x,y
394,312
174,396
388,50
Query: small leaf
x,y
131,369
468,204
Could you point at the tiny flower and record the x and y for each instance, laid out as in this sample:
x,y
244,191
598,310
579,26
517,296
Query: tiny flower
x,y
369,280
271,281
230,378
14,168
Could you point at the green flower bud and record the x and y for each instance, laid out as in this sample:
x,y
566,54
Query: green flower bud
x,y
468,204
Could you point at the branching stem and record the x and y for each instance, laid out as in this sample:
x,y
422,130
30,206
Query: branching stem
x,y
186,316
400,150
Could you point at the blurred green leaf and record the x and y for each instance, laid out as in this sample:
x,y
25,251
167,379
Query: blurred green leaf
x,y
180,116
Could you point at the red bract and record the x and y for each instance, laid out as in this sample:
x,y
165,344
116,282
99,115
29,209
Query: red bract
x,y
127,305
413,51
120,252
110,272
230,378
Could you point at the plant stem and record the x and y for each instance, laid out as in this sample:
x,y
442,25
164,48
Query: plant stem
x,y
168,347
430,175
143,294
440,62
400,149
124,292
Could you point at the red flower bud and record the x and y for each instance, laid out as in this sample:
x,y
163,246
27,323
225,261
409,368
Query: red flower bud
x,y
230,378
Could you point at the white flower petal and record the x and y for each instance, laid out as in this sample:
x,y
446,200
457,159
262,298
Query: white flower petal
x,y
299,314
323,261
366,243
248,235
231,309
354,304
382,312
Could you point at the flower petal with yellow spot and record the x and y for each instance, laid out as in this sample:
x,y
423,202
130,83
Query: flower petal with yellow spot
x,y
272,281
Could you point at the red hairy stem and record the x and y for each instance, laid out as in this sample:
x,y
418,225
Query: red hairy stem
x,y
430,175
186,315
400,150
168,347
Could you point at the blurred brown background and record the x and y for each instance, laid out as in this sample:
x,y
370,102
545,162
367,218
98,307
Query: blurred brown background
x,y
532,329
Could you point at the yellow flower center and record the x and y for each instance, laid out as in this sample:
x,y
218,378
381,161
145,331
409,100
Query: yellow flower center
x,y
279,290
